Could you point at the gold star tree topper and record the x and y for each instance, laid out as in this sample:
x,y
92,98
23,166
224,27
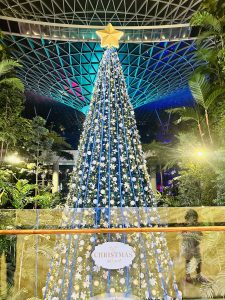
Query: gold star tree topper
x,y
109,36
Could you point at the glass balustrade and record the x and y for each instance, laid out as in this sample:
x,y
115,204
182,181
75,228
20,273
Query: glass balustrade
x,y
26,256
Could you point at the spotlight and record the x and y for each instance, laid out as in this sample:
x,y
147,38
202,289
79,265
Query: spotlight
x,y
200,153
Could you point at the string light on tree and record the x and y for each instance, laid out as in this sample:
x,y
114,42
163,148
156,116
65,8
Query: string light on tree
x,y
110,187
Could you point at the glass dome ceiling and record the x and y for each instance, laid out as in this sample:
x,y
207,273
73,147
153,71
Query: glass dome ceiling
x,y
95,12
66,71
56,43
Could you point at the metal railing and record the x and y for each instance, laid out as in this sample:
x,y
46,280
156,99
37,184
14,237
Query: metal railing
x,y
110,230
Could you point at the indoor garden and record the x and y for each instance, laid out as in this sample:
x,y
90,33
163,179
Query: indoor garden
x,y
112,150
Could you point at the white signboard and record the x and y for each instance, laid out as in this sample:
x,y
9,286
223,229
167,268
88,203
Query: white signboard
x,y
113,255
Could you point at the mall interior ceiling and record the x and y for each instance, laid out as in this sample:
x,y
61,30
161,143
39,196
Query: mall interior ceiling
x,y
55,41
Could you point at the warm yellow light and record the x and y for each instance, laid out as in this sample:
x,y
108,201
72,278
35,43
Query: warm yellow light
x,y
200,153
13,159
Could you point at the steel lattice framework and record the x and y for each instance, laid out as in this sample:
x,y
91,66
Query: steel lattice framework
x,y
100,12
55,41
66,71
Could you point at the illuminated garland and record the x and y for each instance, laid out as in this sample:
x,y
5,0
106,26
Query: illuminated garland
x,y
110,188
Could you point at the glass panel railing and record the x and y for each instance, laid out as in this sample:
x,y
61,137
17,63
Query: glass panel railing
x,y
197,253
52,218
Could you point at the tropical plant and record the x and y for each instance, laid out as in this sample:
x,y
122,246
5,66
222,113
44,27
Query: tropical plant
x,y
157,155
13,126
46,199
196,185
7,78
39,147
42,147
205,94
210,18
18,194
198,175
189,114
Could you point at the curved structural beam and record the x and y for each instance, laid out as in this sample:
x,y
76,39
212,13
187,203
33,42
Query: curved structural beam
x,y
77,32
92,12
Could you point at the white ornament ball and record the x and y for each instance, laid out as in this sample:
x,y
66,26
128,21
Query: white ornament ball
x,y
79,259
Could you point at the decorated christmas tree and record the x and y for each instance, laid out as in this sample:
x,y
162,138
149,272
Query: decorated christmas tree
x,y
110,188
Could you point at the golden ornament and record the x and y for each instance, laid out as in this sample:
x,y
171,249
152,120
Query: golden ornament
x,y
109,36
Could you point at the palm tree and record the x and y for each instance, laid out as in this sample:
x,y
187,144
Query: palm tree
x,y
7,77
159,154
189,114
205,95
210,18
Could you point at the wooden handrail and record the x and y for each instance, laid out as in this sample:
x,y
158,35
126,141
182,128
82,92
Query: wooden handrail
x,y
110,230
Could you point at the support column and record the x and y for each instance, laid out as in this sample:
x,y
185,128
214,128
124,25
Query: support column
x,y
153,180
55,177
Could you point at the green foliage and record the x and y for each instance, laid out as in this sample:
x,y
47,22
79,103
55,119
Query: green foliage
x,y
18,194
46,199
39,145
7,78
186,114
196,185
5,177
21,193
13,82
8,65
205,95
210,18
159,153
13,126
199,180
208,21
203,92
219,129
60,145
182,150
215,7
44,144
29,138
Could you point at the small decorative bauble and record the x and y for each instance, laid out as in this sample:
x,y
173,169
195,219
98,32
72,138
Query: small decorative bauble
x,y
135,282
96,283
